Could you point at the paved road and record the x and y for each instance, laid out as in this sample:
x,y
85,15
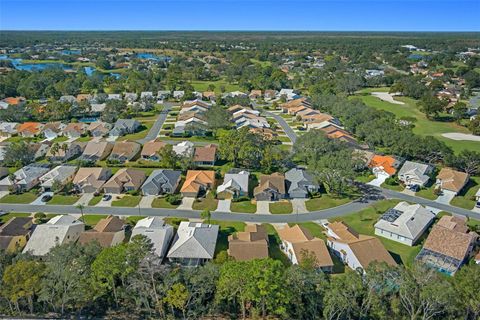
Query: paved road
x,y
354,206
157,126
288,130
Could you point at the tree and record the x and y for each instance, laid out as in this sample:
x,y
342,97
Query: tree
x,y
206,215
177,297
22,281
217,118
81,207
459,111
466,290
168,157
432,105
18,154
241,147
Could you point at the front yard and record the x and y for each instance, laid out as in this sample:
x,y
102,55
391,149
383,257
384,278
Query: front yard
x,y
127,201
95,200
243,206
163,203
63,200
22,198
466,198
281,207
207,203
325,201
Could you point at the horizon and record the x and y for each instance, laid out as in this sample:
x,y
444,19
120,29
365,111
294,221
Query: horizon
x,y
241,15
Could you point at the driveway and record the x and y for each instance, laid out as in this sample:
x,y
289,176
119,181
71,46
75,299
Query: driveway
x,y
186,204
111,138
378,181
108,203
3,193
224,205
84,199
263,207
298,206
146,201
39,201
445,197
157,126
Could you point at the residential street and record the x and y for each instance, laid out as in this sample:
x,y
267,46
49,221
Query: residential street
x,y
286,128
157,126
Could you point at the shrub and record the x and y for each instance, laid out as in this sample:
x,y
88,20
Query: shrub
x,y
241,199
173,199
392,181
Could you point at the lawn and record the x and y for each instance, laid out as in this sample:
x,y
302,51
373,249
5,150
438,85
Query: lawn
x,y
365,178
163,203
22,198
92,219
127,201
325,201
63,200
60,139
427,193
281,207
423,126
397,187
11,215
364,221
207,203
466,198
140,134
95,200
243,206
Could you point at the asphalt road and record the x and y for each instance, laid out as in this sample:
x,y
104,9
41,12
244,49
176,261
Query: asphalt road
x,y
157,126
351,207
286,128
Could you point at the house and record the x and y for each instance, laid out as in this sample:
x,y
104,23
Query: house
x,y
74,130
84,97
96,150
271,187
57,231
184,149
197,182
12,102
114,96
29,129
150,150
61,152
294,106
15,233
235,184
4,172
298,243
8,129
449,245
404,223
268,134
108,232
52,130
195,105
161,181
414,173
384,166
124,126
289,94
91,180
299,183
97,107
146,95
125,151
159,233
130,97
334,132
210,95
235,94
125,180
68,99
249,244
270,94
62,175
194,244
163,94
452,180
206,155
39,149
178,94
355,250
99,129
255,94
23,179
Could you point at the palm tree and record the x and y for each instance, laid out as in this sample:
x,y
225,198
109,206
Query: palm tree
x,y
206,215
81,207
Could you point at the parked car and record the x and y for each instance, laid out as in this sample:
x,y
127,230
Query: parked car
x,y
3,212
478,204
106,197
414,187
46,198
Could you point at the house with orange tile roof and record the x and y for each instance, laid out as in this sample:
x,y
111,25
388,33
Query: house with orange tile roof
x,y
29,129
197,182
384,165
452,180
334,132
295,105
255,94
12,102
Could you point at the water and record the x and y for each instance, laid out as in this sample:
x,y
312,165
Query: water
x,y
71,52
151,56
89,71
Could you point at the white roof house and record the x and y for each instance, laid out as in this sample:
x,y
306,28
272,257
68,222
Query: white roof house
x,y
184,148
178,94
155,229
414,173
8,128
288,93
404,223
97,107
59,230
63,174
194,243
235,184
24,179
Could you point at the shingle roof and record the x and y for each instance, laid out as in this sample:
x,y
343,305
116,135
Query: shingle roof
x,y
194,240
452,180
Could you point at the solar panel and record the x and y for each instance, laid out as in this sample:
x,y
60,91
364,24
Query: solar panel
x,y
391,215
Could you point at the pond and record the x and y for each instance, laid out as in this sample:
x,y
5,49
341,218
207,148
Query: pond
x,y
151,56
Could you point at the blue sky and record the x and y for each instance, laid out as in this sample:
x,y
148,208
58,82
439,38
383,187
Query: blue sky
x,y
332,15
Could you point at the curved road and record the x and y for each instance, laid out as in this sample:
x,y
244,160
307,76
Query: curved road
x,y
286,128
351,207
157,126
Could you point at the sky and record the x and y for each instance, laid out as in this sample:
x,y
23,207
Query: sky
x,y
290,15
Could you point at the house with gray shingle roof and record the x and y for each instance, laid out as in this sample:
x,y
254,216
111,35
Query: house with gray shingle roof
x,y
61,174
299,183
161,182
414,173
124,126
235,184
155,229
24,179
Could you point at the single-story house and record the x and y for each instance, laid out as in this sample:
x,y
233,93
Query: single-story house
x,y
96,150
206,155
449,245
159,233
74,130
12,102
235,184
163,94
161,181
452,180
15,233
184,148
150,150
249,244
124,126
91,180
29,129
62,174
108,232
57,231
130,97
99,128
354,249
198,182
298,244
414,173
125,151
384,165
299,183
61,152
271,187
194,244
114,96
404,223
178,94
8,129
24,179
52,130
125,180
97,107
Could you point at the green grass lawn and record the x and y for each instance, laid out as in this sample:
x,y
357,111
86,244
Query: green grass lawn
x,y
324,202
423,126
281,207
427,193
466,198
397,187
11,215
127,201
162,203
365,178
22,198
203,85
140,134
364,221
84,139
63,200
60,139
92,219
95,200
207,203
243,206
